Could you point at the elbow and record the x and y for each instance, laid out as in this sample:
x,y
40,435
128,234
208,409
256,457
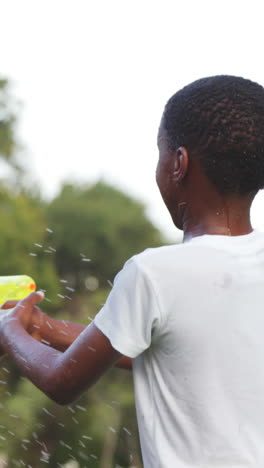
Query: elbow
x,y
62,385
61,395
60,399
58,391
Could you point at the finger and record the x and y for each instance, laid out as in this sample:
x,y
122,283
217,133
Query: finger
x,y
8,304
32,299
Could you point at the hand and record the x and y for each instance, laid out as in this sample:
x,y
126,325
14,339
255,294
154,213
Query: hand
x,y
36,322
26,311
2,353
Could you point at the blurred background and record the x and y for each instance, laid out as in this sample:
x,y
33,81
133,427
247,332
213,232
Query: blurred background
x,y
82,89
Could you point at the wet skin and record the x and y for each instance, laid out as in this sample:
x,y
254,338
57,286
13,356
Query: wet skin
x,y
77,356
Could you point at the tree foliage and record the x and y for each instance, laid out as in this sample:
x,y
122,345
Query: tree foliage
x,y
96,229
23,229
81,239
8,109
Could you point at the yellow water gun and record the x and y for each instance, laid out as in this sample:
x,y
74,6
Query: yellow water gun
x,y
15,287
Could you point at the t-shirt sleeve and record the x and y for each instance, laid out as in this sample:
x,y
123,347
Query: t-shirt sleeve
x,y
130,316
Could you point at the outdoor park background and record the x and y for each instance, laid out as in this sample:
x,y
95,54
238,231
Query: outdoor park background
x,y
72,246
83,85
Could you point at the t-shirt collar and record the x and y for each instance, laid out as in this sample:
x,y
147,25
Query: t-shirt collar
x,y
222,239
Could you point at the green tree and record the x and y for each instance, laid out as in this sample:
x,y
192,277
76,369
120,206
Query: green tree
x,y
24,242
22,217
96,229
84,235
8,111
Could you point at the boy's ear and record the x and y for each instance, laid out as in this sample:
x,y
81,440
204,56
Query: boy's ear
x,y
180,164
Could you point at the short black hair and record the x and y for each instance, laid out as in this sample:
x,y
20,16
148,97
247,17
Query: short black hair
x,y
220,120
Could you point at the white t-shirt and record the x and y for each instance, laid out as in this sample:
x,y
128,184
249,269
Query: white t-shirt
x,y
192,316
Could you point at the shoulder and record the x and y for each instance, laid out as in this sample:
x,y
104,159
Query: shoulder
x,y
171,262
166,255
159,253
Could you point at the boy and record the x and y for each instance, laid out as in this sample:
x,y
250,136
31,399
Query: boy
x,y
188,317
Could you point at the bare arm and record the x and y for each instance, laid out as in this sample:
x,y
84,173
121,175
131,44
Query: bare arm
x,y
59,334
61,376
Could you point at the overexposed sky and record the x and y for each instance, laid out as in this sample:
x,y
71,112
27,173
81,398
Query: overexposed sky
x,y
94,76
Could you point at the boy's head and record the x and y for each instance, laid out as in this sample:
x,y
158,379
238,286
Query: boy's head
x,y
216,123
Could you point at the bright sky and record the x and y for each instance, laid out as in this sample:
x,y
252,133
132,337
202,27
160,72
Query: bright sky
x,y
94,76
